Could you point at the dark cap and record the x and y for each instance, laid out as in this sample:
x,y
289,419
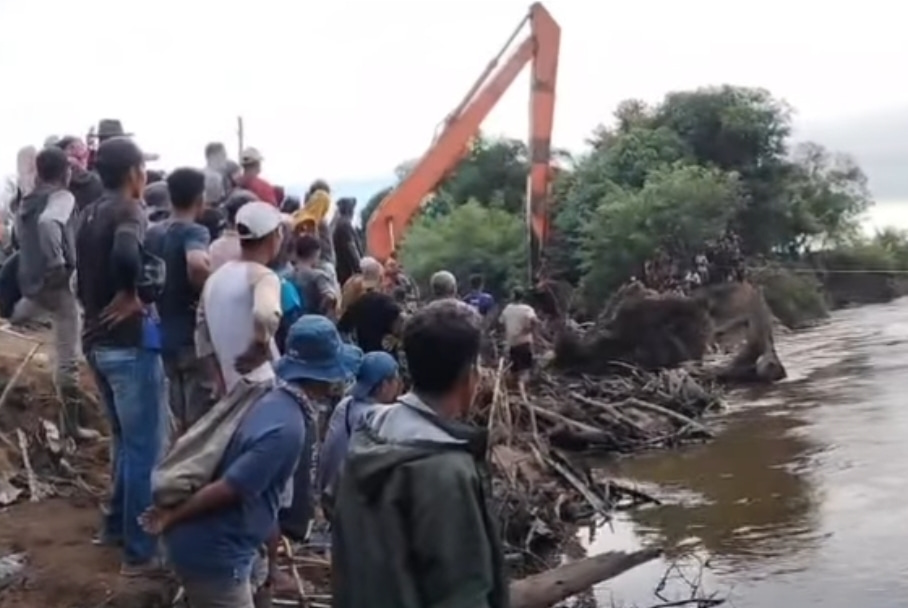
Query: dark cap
x,y
157,196
119,152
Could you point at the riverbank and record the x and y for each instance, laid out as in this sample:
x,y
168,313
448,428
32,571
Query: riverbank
x,y
797,500
52,494
800,295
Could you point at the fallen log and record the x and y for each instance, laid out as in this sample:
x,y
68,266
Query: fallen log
x,y
547,588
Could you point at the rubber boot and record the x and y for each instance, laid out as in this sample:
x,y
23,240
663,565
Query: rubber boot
x,y
72,416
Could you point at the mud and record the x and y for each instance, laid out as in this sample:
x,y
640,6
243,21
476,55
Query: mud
x,y
64,569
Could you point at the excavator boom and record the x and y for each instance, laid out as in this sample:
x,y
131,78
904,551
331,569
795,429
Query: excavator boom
x,y
389,221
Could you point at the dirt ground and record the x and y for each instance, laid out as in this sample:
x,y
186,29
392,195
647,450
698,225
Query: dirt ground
x,y
64,569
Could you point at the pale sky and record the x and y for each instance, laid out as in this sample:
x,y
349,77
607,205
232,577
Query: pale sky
x,y
346,89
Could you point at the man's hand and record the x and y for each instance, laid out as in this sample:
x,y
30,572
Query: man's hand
x,y
155,520
281,583
123,306
257,354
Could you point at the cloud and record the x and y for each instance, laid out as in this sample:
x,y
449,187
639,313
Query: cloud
x,y
353,87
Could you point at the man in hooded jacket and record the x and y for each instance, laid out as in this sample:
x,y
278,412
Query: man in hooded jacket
x,y
411,526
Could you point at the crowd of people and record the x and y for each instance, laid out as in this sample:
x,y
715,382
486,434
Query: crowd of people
x,y
185,289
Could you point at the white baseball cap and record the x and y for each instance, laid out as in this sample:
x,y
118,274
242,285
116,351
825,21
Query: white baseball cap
x,y
256,220
251,155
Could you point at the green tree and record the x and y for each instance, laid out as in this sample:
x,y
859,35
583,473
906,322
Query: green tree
x,y
827,193
672,175
470,238
744,130
679,209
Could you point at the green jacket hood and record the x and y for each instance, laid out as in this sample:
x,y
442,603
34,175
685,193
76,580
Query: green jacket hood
x,y
404,432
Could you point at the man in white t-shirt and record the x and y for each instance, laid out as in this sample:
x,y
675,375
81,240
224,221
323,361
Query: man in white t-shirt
x,y
240,307
519,320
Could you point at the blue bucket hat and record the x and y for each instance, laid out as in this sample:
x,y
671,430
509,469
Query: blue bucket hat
x,y
375,368
316,352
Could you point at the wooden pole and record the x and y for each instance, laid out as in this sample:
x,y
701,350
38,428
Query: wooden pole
x,y
239,137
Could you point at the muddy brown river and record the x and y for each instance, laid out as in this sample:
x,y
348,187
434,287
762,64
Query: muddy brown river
x,y
802,499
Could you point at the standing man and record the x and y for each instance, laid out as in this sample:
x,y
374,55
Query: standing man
x,y
251,180
212,538
443,285
183,245
520,321
479,298
347,249
240,308
217,184
116,281
226,247
45,225
374,318
411,523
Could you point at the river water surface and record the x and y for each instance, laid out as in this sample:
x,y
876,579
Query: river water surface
x,y
802,499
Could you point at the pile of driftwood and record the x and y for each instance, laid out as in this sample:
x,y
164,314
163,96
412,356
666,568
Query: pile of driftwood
x,y
541,490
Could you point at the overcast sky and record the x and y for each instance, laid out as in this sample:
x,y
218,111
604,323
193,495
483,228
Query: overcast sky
x,y
349,88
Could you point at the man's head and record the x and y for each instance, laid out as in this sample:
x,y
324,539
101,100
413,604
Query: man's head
x,y
153,176
441,342
108,128
216,155
260,228
443,285
307,249
232,205
346,206
377,379
392,267
476,282
251,161
315,356
317,185
120,164
233,171
25,160
187,191
517,295
372,272
75,150
291,204
52,167
157,201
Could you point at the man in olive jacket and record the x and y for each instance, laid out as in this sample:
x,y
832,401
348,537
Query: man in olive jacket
x,y
411,527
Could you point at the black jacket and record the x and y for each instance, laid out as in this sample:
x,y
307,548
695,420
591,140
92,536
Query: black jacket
x,y
346,249
86,187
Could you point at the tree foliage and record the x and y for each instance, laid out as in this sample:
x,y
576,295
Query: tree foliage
x,y
671,175
678,209
471,238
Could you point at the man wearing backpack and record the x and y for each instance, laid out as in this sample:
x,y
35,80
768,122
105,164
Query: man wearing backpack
x,y
213,537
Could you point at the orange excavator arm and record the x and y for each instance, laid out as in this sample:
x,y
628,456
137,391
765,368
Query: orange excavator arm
x,y
541,47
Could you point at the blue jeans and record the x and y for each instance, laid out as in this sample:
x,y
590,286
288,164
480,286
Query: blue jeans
x,y
131,383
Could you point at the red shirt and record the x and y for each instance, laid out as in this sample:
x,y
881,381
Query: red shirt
x,y
262,189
